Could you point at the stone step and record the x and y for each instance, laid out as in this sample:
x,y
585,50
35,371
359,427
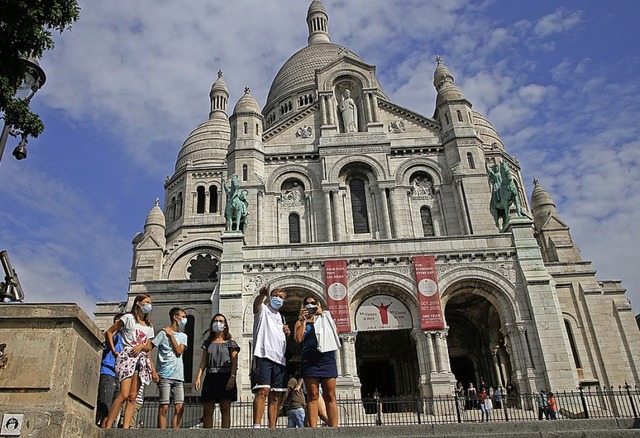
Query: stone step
x,y
526,429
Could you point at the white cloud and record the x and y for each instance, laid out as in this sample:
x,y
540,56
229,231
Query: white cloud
x,y
558,22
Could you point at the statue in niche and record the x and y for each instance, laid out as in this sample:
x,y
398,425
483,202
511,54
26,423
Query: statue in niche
x,y
294,194
421,187
349,112
236,211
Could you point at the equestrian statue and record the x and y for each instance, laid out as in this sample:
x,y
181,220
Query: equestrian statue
x,y
236,211
504,193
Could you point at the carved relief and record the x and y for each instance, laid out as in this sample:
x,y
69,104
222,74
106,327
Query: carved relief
x,y
421,187
304,132
396,126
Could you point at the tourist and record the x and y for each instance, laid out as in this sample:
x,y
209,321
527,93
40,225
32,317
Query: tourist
x,y
107,385
319,369
219,363
553,406
485,405
297,402
171,343
498,394
269,348
543,405
133,367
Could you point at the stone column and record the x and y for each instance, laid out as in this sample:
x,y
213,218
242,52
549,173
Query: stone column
x,y
438,193
53,355
367,107
385,212
374,104
462,211
260,219
328,218
394,211
338,214
440,360
431,355
323,108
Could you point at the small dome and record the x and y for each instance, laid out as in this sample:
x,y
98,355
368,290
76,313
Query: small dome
x,y
155,216
207,144
486,131
247,104
316,6
540,197
219,85
445,84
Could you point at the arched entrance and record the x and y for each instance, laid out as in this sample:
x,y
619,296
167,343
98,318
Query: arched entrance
x,y
477,350
386,354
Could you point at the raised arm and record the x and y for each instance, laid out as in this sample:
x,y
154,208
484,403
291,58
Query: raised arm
x,y
259,300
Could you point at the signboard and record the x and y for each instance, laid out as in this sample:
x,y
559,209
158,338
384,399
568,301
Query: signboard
x,y
335,280
382,312
431,317
11,424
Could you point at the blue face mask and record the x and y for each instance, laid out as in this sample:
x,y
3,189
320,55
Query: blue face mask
x,y
276,302
146,308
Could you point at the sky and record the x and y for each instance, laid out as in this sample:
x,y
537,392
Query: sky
x,y
125,87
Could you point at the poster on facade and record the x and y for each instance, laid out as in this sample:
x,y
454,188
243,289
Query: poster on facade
x,y
382,312
335,280
431,317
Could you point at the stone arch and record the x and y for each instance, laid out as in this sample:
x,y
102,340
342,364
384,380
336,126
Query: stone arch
x,y
336,169
404,171
363,80
275,180
203,246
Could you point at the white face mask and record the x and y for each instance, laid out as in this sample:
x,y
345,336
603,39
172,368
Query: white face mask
x,y
217,326
146,308
182,323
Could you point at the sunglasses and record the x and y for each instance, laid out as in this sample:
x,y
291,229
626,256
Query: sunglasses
x,y
313,303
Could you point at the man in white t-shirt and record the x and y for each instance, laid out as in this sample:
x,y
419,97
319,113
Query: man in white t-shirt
x,y
269,346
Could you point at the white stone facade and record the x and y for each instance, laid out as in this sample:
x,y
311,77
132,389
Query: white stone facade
x,y
367,181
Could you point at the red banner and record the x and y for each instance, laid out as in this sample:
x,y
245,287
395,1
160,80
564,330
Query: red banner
x,y
431,317
335,280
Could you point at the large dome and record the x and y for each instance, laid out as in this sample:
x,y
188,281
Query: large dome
x,y
299,71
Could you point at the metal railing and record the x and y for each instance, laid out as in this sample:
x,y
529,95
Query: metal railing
x,y
621,402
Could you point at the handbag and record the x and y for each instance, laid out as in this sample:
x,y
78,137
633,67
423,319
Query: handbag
x,y
326,333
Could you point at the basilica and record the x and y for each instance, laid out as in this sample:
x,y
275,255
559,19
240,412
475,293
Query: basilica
x,y
413,230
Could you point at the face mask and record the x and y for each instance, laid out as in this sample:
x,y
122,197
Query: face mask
x,y
146,308
276,302
217,326
182,323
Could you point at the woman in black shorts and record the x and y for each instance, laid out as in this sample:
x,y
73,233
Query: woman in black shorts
x,y
318,369
220,363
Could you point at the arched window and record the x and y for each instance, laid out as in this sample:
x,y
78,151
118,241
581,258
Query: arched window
x,y
171,209
200,201
179,205
187,355
213,199
245,172
446,117
459,115
359,207
572,343
472,164
245,128
294,228
257,130
427,222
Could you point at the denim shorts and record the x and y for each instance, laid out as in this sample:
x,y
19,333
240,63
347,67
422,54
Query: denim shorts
x,y
168,387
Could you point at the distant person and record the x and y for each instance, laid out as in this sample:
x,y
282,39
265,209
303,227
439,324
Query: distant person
x,y
319,369
107,385
219,364
171,343
133,367
297,402
553,406
543,405
270,345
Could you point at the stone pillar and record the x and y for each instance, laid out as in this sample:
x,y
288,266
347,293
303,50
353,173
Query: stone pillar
x,y
348,382
323,109
385,213
53,366
260,220
328,218
367,108
338,214
394,211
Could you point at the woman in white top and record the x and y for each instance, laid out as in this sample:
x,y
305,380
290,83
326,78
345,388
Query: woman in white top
x,y
133,366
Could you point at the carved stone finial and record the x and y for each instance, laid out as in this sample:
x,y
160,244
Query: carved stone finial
x,y
536,183
219,74
247,90
157,203
438,60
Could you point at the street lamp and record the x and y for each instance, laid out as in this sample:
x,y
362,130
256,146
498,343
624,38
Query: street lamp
x,y
34,79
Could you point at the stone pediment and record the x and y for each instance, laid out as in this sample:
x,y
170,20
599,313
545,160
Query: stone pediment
x,y
148,242
296,125
553,222
405,116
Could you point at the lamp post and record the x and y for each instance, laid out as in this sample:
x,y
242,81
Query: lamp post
x,y
34,79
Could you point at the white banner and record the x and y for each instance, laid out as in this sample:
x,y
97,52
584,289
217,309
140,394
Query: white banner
x,y
383,312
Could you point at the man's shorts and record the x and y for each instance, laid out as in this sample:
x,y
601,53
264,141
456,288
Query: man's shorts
x,y
106,390
168,387
270,375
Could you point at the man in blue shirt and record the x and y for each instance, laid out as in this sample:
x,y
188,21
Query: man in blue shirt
x,y
171,343
108,384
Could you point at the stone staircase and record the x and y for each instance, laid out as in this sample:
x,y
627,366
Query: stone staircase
x,y
523,429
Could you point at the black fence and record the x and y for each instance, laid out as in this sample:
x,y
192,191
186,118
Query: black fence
x,y
621,402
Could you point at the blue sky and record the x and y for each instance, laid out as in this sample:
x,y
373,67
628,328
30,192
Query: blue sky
x,y
558,80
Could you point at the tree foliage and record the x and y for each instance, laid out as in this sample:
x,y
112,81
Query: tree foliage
x,y
26,28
